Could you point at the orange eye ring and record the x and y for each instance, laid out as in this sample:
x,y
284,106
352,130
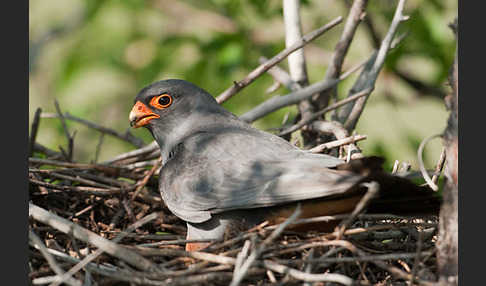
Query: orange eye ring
x,y
162,101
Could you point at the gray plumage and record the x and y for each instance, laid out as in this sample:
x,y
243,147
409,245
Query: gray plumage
x,y
214,162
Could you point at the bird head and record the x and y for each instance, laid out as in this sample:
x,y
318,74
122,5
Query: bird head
x,y
173,108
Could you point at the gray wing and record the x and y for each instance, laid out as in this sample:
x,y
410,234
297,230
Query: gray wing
x,y
243,168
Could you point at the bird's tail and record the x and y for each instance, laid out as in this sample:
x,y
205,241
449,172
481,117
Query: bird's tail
x,y
397,195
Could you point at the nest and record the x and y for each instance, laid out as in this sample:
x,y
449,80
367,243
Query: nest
x,y
106,223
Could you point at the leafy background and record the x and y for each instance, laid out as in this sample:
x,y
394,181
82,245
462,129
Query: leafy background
x,y
93,56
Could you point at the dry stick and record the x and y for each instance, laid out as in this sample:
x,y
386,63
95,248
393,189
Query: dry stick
x,y
36,241
334,69
296,61
80,189
324,277
337,143
395,167
78,179
420,150
241,272
394,271
66,132
325,110
350,114
439,166
100,250
175,242
281,76
99,167
335,128
418,85
85,235
277,102
33,131
98,147
128,137
373,189
308,265
239,85
153,146
242,254
138,159
340,217
50,153
97,268
82,173
371,257
268,264
275,85
146,178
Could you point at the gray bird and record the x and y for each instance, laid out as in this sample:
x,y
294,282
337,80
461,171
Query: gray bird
x,y
221,173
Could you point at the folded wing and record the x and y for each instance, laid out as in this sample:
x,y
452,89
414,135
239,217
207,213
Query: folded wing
x,y
213,172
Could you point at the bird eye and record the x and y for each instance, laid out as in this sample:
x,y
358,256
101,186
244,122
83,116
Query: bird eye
x,y
161,101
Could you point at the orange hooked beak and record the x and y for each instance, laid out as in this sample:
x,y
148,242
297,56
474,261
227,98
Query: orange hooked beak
x,y
141,115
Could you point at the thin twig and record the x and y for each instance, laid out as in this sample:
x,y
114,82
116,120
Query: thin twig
x,y
439,166
281,76
335,128
239,85
349,115
152,147
33,131
373,188
325,110
420,150
66,132
297,65
98,147
278,102
324,277
146,178
238,276
335,66
337,143
128,136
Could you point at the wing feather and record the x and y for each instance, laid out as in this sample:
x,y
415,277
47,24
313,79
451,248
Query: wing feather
x,y
240,168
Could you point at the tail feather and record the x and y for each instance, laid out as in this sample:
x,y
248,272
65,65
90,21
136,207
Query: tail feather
x,y
397,195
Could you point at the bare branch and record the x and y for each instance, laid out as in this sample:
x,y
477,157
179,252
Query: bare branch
x,y
237,86
66,132
128,136
337,143
420,150
335,128
238,277
350,114
325,110
337,60
297,65
281,76
33,131
295,97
